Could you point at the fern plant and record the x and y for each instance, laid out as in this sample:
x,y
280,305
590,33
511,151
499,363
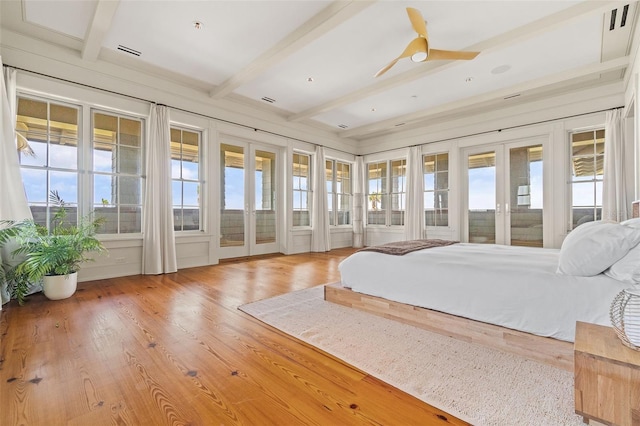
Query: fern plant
x,y
59,250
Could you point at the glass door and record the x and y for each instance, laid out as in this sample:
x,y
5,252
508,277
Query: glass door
x,y
264,216
482,208
524,196
248,213
504,193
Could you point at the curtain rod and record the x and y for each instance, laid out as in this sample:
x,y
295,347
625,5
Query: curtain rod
x,y
255,129
502,128
301,140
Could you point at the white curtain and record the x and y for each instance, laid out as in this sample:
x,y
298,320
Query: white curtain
x,y
614,193
320,238
414,214
13,201
158,241
359,204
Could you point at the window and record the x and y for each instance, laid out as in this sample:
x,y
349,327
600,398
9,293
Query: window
x,y
587,175
386,203
117,172
436,189
60,161
50,130
185,179
301,189
339,192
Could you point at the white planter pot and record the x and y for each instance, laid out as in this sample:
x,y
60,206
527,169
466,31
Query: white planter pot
x,y
58,287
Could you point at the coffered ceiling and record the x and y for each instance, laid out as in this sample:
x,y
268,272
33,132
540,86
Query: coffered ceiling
x,y
314,62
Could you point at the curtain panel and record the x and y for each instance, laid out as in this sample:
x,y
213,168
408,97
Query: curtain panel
x,y
320,237
13,200
158,238
614,191
359,204
414,215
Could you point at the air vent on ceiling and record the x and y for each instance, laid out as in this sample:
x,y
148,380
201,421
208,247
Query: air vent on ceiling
x,y
343,126
623,18
129,50
512,96
268,99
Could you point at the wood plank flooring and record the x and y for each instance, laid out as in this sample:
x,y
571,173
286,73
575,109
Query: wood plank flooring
x,y
174,350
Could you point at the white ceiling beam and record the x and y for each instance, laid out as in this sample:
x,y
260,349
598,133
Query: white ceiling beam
x,y
98,29
584,71
328,19
500,41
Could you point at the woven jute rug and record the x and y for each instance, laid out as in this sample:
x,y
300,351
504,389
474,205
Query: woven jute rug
x,y
477,384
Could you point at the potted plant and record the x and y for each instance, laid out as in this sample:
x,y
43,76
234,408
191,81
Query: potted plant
x,y
52,256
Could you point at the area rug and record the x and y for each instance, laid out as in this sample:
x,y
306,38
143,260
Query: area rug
x,y
477,384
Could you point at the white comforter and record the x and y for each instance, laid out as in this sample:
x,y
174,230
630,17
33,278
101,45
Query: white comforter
x,y
515,287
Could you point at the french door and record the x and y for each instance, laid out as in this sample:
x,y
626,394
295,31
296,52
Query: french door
x,y
504,194
248,209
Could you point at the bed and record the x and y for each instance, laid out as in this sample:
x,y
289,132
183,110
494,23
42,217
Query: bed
x,y
520,299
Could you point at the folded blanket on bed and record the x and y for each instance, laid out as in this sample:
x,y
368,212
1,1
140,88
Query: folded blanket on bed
x,y
400,248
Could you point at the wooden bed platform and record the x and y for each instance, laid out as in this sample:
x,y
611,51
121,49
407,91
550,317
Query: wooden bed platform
x,y
550,351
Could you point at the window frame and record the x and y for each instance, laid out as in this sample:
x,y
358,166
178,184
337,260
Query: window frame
x,y
571,179
308,191
435,189
199,181
387,193
93,173
47,168
333,195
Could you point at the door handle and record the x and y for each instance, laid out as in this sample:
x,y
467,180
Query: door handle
x,y
506,208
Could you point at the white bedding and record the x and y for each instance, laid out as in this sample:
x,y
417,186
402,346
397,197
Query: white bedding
x,y
515,287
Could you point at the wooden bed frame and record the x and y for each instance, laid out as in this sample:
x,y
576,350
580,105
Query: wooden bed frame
x,y
550,351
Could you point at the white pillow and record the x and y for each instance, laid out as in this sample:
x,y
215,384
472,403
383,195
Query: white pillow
x,y
594,246
632,223
627,269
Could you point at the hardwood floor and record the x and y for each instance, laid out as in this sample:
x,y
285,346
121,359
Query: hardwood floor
x,y
174,349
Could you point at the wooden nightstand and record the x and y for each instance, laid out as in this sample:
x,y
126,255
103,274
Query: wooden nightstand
x,y
607,377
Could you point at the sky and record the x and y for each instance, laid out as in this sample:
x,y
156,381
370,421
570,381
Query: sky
x,y
482,194
66,183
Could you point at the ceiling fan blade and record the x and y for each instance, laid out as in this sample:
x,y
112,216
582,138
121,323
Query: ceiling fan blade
x,y
418,44
387,67
417,21
450,55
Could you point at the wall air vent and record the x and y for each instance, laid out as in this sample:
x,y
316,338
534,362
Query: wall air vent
x,y
512,96
129,50
623,18
343,126
268,99
625,11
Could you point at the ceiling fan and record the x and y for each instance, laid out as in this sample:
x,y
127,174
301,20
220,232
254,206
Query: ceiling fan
x,y
418,49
